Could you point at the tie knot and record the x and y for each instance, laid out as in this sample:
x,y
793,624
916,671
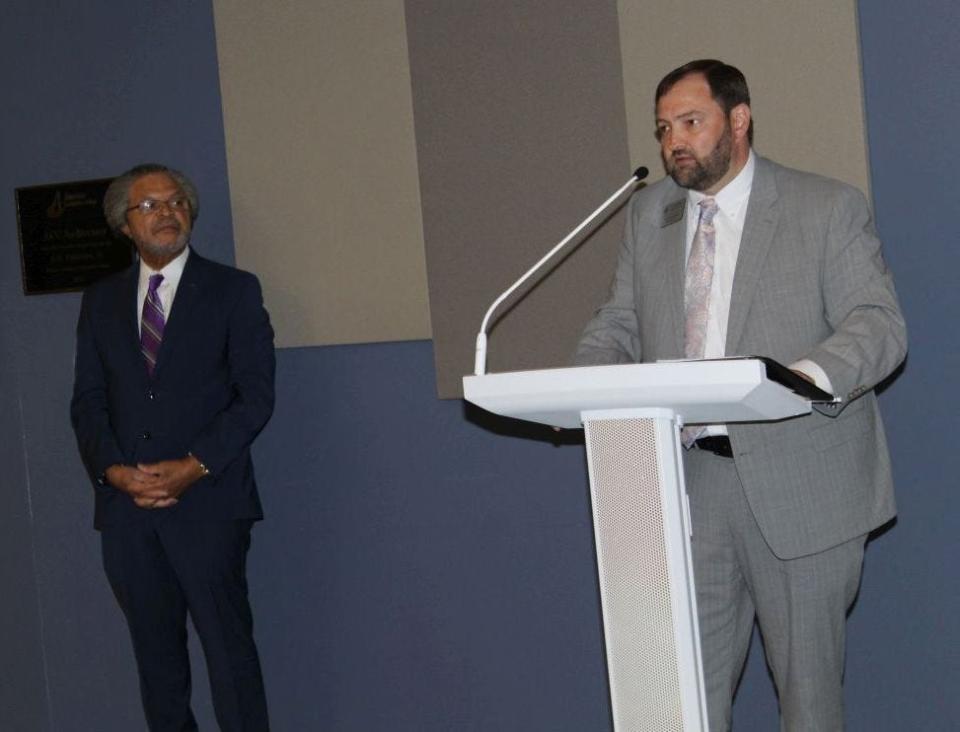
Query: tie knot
x,y
708,209
155,280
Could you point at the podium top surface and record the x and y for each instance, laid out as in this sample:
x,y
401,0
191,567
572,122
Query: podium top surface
x,y
701,392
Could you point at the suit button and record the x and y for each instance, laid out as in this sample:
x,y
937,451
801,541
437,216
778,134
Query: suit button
x,y
151,394
144,435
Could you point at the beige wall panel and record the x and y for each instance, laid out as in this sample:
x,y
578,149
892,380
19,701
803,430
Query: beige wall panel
x,y
801,60
322,161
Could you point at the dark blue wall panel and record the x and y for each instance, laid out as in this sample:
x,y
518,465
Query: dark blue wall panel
x,y
905,625
89,89
418,571
23,694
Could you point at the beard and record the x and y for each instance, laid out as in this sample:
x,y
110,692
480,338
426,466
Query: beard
x,y
706,171
164,250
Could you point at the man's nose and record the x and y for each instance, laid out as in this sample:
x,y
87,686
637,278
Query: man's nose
x,y
673,140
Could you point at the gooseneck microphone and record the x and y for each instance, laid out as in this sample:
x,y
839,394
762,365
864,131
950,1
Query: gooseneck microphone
x,y
480,357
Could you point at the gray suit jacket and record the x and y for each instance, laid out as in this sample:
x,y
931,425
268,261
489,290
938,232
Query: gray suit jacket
x,y
811,283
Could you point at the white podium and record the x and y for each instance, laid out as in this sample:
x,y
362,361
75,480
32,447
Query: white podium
x,y
641,517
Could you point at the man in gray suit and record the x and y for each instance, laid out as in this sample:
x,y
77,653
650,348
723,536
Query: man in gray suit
x,y
734,255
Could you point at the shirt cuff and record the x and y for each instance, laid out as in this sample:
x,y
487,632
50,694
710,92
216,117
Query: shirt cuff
x,y
814,371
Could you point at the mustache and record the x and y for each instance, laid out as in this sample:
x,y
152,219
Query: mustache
x,y
164,223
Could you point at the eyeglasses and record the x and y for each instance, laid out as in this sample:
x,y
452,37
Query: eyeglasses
x,y
151,205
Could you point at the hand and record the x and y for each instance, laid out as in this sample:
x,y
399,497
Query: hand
x,y
156,485
155,502
141,486
170,478
804,376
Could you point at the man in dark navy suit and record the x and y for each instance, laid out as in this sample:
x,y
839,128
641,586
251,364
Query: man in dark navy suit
x,y
174,380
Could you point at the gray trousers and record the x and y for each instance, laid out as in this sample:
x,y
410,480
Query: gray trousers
x,y
800,604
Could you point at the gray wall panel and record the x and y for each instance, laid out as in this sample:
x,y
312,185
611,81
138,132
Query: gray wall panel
x,y
521,132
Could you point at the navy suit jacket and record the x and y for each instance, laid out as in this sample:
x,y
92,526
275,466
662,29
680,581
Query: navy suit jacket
x,y
210,394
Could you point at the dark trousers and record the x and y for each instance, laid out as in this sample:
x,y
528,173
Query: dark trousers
x,y
160,570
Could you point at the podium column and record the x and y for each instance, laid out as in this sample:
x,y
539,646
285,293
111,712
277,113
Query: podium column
x,y
642,534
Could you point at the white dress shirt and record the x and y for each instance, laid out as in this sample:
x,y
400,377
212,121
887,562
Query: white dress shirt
x,y
732,202
728,222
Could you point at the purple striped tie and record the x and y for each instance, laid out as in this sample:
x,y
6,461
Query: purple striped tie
x,y
151,324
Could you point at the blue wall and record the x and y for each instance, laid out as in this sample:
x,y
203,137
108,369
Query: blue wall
x,y
906,627
419,571
89,89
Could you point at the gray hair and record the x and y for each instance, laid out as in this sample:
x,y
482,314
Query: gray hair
x,y
116,201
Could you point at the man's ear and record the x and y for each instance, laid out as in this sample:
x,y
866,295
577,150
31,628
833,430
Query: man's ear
x,y
740,121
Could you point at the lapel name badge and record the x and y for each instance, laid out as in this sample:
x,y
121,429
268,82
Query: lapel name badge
x,y
672,213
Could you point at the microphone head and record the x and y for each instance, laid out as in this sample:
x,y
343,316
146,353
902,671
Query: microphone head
x,y
641,173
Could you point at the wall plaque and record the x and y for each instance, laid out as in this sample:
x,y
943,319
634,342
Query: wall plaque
x,y
65,243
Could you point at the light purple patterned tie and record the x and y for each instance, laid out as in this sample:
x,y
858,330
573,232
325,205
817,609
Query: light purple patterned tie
x,y
151,324
696,294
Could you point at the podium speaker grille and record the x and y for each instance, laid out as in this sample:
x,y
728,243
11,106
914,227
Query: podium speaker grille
x,y
635,582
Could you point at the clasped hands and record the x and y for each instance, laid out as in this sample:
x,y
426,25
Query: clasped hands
x,y
156,485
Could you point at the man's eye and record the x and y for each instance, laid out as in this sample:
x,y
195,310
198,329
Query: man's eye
x,y
178,203
148,205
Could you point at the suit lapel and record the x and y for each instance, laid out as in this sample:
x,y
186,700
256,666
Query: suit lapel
x,y
672,262
127,304
124,331
188,293
758,230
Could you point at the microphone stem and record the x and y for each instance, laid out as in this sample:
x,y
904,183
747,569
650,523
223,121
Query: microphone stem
x,y
481,346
